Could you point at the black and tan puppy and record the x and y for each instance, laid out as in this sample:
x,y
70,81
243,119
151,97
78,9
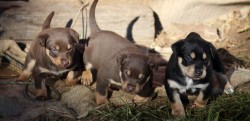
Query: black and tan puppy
x,y
190,70
118,63
54,52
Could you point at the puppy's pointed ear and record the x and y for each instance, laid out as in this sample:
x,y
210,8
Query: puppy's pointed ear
x,y
121,59
74,35
177,46
42,39
152,64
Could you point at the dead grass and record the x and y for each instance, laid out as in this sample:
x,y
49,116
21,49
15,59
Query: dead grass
x,y
225,108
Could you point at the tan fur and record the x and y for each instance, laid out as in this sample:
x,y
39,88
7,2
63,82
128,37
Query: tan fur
x,y
177,107
87,77
128,72
42,91
27,72
138,98
204,56
70,80
69,46
192,55
190,70
199,102
140,76
57,47
56,61
100,99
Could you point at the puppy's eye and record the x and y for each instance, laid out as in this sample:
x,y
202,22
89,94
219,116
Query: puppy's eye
x,y
54,50
188,58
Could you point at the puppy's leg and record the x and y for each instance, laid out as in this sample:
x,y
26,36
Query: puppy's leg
x,y
175,100
41,88
146,93
224,83
176,104
87,77
203,97
28,67
72,78
219,68
101,92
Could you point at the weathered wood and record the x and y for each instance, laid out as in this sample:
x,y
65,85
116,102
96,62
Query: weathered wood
x,y
23,20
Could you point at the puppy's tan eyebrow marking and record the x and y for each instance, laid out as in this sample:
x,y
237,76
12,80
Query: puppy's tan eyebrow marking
x,y
140,76
128,72
192,55
69,46
57,47
204,56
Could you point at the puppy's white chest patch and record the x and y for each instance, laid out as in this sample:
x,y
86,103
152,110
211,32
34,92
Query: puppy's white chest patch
x,y
188,86
53,72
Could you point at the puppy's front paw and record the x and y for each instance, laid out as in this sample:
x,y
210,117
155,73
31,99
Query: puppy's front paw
x,y
87,78
199,104
178,112
229,89
100,99
71,80
23,77
139,99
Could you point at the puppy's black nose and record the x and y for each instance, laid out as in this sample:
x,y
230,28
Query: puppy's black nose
x,y
130,88
198,72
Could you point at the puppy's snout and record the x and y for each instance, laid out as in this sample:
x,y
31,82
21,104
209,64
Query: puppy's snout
x,y
65,62
198,72
130,87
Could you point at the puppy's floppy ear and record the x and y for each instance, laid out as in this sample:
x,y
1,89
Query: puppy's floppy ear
x,y
121,59
212,51
152,64
216,60
74,35
177,46
42,39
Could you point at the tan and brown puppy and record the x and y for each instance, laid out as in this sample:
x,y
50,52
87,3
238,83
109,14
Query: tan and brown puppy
x,y
53,52
118,62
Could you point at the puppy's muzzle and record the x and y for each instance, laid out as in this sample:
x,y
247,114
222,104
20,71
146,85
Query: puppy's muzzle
x,y
198,72
65,63
130,88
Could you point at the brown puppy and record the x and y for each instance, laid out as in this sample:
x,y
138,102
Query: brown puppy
x,y
118,63
53,52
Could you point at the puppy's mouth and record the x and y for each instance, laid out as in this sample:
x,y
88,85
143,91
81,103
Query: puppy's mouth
x,y
131,88
65,64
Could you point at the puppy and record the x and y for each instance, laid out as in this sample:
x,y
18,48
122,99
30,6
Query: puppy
x,y
118,62
53,52
190,70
